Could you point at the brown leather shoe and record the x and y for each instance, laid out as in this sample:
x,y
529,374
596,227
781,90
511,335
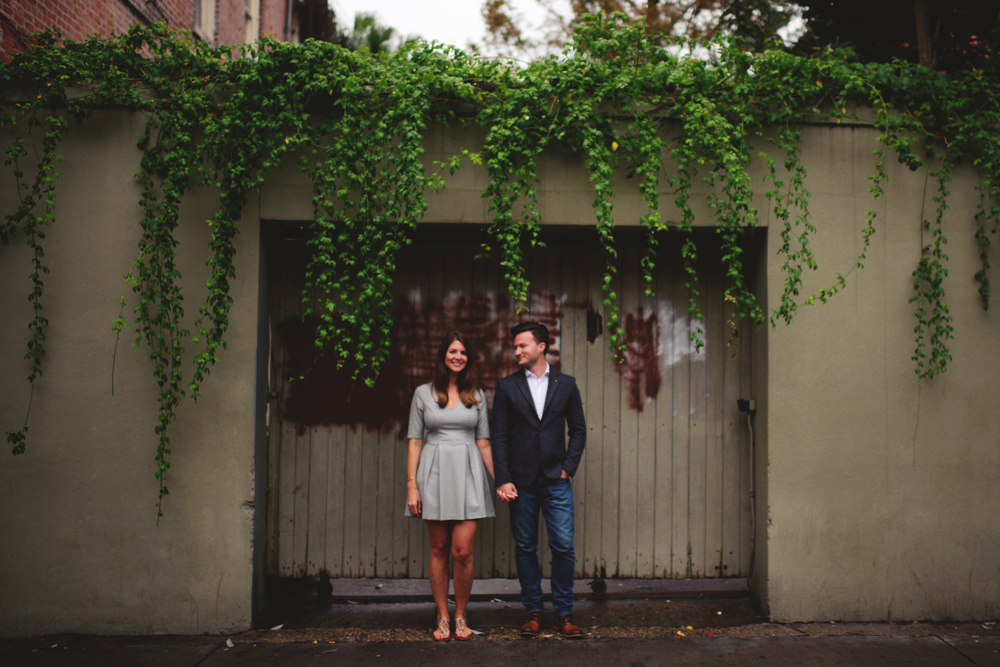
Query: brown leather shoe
x,y
568,629
533,625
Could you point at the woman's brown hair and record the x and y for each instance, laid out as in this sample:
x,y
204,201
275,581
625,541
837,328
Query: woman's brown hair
x,y
468,379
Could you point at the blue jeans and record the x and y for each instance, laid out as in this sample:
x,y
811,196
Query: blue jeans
x,y
554,497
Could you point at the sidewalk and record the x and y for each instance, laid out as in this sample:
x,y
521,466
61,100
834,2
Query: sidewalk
x,y
373,622
791,651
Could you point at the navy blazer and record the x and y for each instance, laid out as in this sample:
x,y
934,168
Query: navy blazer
x,y
522,443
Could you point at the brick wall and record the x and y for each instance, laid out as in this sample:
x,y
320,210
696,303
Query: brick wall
x,y
272,19
76,20
230,19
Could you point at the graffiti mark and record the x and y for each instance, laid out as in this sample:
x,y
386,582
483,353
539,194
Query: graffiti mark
x,y
315,392
675,344
326,396
486,319
650,348
640,369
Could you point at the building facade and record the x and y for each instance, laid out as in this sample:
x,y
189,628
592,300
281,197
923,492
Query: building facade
x,y
215,21
864,493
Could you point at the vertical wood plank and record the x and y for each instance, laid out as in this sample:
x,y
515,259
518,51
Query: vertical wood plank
x,y
385,505
647,498
575,320
352,485
715,360
318,476
478,292
335,501
316,517
560,282
680,537
300,524
503,542
337,492
273,445
698,434
277,303
610,462
415,533
401,524
668,312
368,498
300,487
593,400
285,488
628,417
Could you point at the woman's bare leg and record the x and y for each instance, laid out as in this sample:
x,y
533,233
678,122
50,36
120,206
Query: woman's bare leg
x,y
462,535
440,534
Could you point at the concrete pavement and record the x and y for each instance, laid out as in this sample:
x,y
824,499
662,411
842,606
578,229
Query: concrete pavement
x,y
635,623
854,651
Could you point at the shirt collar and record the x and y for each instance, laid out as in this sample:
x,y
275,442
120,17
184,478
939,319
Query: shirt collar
x,y
536,377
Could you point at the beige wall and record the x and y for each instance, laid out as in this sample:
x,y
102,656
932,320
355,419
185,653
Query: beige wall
x,y
862,512
882,488
82,551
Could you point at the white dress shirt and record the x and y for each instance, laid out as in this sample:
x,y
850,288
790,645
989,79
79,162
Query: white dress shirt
x,y
539,387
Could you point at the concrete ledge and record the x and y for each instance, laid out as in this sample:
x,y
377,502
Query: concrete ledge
x,y
507,590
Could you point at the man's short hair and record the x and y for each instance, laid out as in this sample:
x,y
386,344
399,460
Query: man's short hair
x,y
539,331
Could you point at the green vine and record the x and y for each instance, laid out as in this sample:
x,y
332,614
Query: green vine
x,y
983,245
648,149
794,232
933,329
41,190
355,123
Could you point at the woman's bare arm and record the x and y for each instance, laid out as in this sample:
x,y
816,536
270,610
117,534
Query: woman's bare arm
x,y
412,459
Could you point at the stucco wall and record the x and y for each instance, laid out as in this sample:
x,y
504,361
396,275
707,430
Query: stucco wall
x,y
876,493
882,488
81,549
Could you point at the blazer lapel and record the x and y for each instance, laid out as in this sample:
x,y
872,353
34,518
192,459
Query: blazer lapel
x,y
521,380
552,388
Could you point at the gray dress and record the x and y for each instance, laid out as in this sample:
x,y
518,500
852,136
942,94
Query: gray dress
x,y
451,476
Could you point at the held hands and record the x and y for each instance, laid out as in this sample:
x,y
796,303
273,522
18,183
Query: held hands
x,y
506,492
413,498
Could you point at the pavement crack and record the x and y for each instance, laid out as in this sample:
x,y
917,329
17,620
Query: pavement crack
x,y
208,655
948,641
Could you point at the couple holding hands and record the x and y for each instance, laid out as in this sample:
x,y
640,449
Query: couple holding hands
x,y
451,451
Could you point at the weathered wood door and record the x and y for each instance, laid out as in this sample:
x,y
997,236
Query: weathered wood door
x,y
663,488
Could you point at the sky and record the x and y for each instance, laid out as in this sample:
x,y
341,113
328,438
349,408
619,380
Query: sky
x,y
458,22
455,22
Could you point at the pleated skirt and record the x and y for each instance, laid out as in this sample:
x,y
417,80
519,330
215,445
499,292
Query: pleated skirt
x,y
453,483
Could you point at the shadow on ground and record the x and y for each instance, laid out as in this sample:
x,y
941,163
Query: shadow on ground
x,y
380,610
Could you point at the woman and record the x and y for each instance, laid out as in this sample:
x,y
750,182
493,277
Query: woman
x,y
449,456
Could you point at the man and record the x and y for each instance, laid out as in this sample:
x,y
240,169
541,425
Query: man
x,y
532,409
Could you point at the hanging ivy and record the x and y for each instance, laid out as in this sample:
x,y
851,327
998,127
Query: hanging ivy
x,y
354,123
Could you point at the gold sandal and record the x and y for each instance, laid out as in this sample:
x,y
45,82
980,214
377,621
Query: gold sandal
x,y
442,628
460,626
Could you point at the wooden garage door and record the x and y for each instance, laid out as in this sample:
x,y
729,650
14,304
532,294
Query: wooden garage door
x,y
663,488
